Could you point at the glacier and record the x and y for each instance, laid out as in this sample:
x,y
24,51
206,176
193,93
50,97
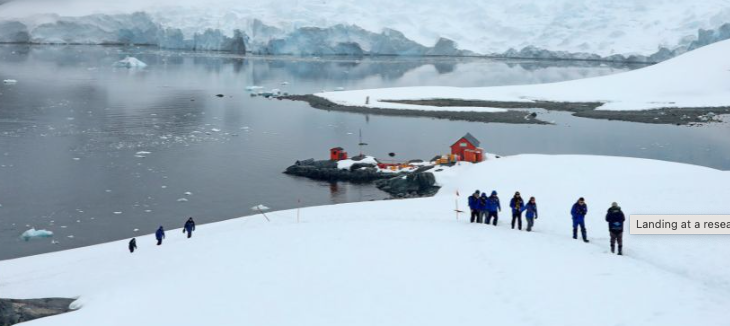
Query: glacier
x,y
625,31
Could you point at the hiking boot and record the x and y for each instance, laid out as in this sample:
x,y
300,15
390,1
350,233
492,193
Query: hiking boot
x,y
613,250
620,253
585,240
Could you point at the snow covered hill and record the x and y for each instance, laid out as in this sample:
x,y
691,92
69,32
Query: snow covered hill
x,y
585,28
410,262
699,78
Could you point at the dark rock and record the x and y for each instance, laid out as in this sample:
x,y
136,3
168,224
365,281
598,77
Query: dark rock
x,y
412,185
14,311
219,95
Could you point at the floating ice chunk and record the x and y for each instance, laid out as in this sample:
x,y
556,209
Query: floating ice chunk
x,y
10,81
260,207
163,187
339,89
182,200
77,159
117,213
148,211
130,62
215,130
284,83
33,233
70,236
136,230
143,153
253,88
188,193
108,190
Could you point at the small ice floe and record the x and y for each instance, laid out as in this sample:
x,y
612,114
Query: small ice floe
x,y
10,81
70,237
215,130
76,158
33,233
136,230
144,153
108,190
253,88
117,213
284,83
148,211
339,89
63,226
182,200
188,193
260,207
163,187
130,62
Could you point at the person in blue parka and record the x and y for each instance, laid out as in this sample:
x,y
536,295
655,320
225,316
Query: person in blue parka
x,y
159,235
493,206
531,215
189,227
482,208
474,206
615,218
579,212
518,205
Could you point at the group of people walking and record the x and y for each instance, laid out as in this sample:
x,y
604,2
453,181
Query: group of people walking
x,y
485,209
188,228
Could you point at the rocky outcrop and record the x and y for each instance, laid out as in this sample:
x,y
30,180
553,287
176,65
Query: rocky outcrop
x,y
327,170
417,184
14,311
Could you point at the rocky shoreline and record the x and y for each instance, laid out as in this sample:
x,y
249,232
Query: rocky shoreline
x,y
675,116
418,183
14,311
515,117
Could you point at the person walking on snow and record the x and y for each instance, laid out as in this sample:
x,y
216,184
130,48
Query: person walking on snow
x,y
132,245
189,227
531,214
578,212
482,208
518,205
615,218
493,206
159,235
474,206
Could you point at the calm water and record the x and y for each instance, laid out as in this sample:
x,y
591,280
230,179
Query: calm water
x,y
72,129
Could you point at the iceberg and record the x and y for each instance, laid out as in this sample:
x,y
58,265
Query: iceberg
x,y
130,62
33,233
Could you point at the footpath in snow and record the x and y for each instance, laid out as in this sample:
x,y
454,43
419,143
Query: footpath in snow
x,y
697,79
411,262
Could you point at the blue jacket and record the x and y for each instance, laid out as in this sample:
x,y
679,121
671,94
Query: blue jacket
x,y
482,202
493,204
531,210
517,205
579,212
615,218
190,226
473,202
160,234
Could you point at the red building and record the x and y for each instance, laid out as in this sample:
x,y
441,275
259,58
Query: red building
x,y
467,149
337,154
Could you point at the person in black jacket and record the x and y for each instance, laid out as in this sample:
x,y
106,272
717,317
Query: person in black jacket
x,y
474,206
615,218
132,245
189,227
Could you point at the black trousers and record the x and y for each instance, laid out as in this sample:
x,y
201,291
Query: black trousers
x,y
489,217
474,215
617,236
517,216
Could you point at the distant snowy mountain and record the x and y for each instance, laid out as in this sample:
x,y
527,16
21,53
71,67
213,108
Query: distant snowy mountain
x,y
588,29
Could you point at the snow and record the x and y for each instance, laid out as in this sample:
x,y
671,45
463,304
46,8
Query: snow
x,y
347,164
410,262
699,78
130,62
488,26
33,233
